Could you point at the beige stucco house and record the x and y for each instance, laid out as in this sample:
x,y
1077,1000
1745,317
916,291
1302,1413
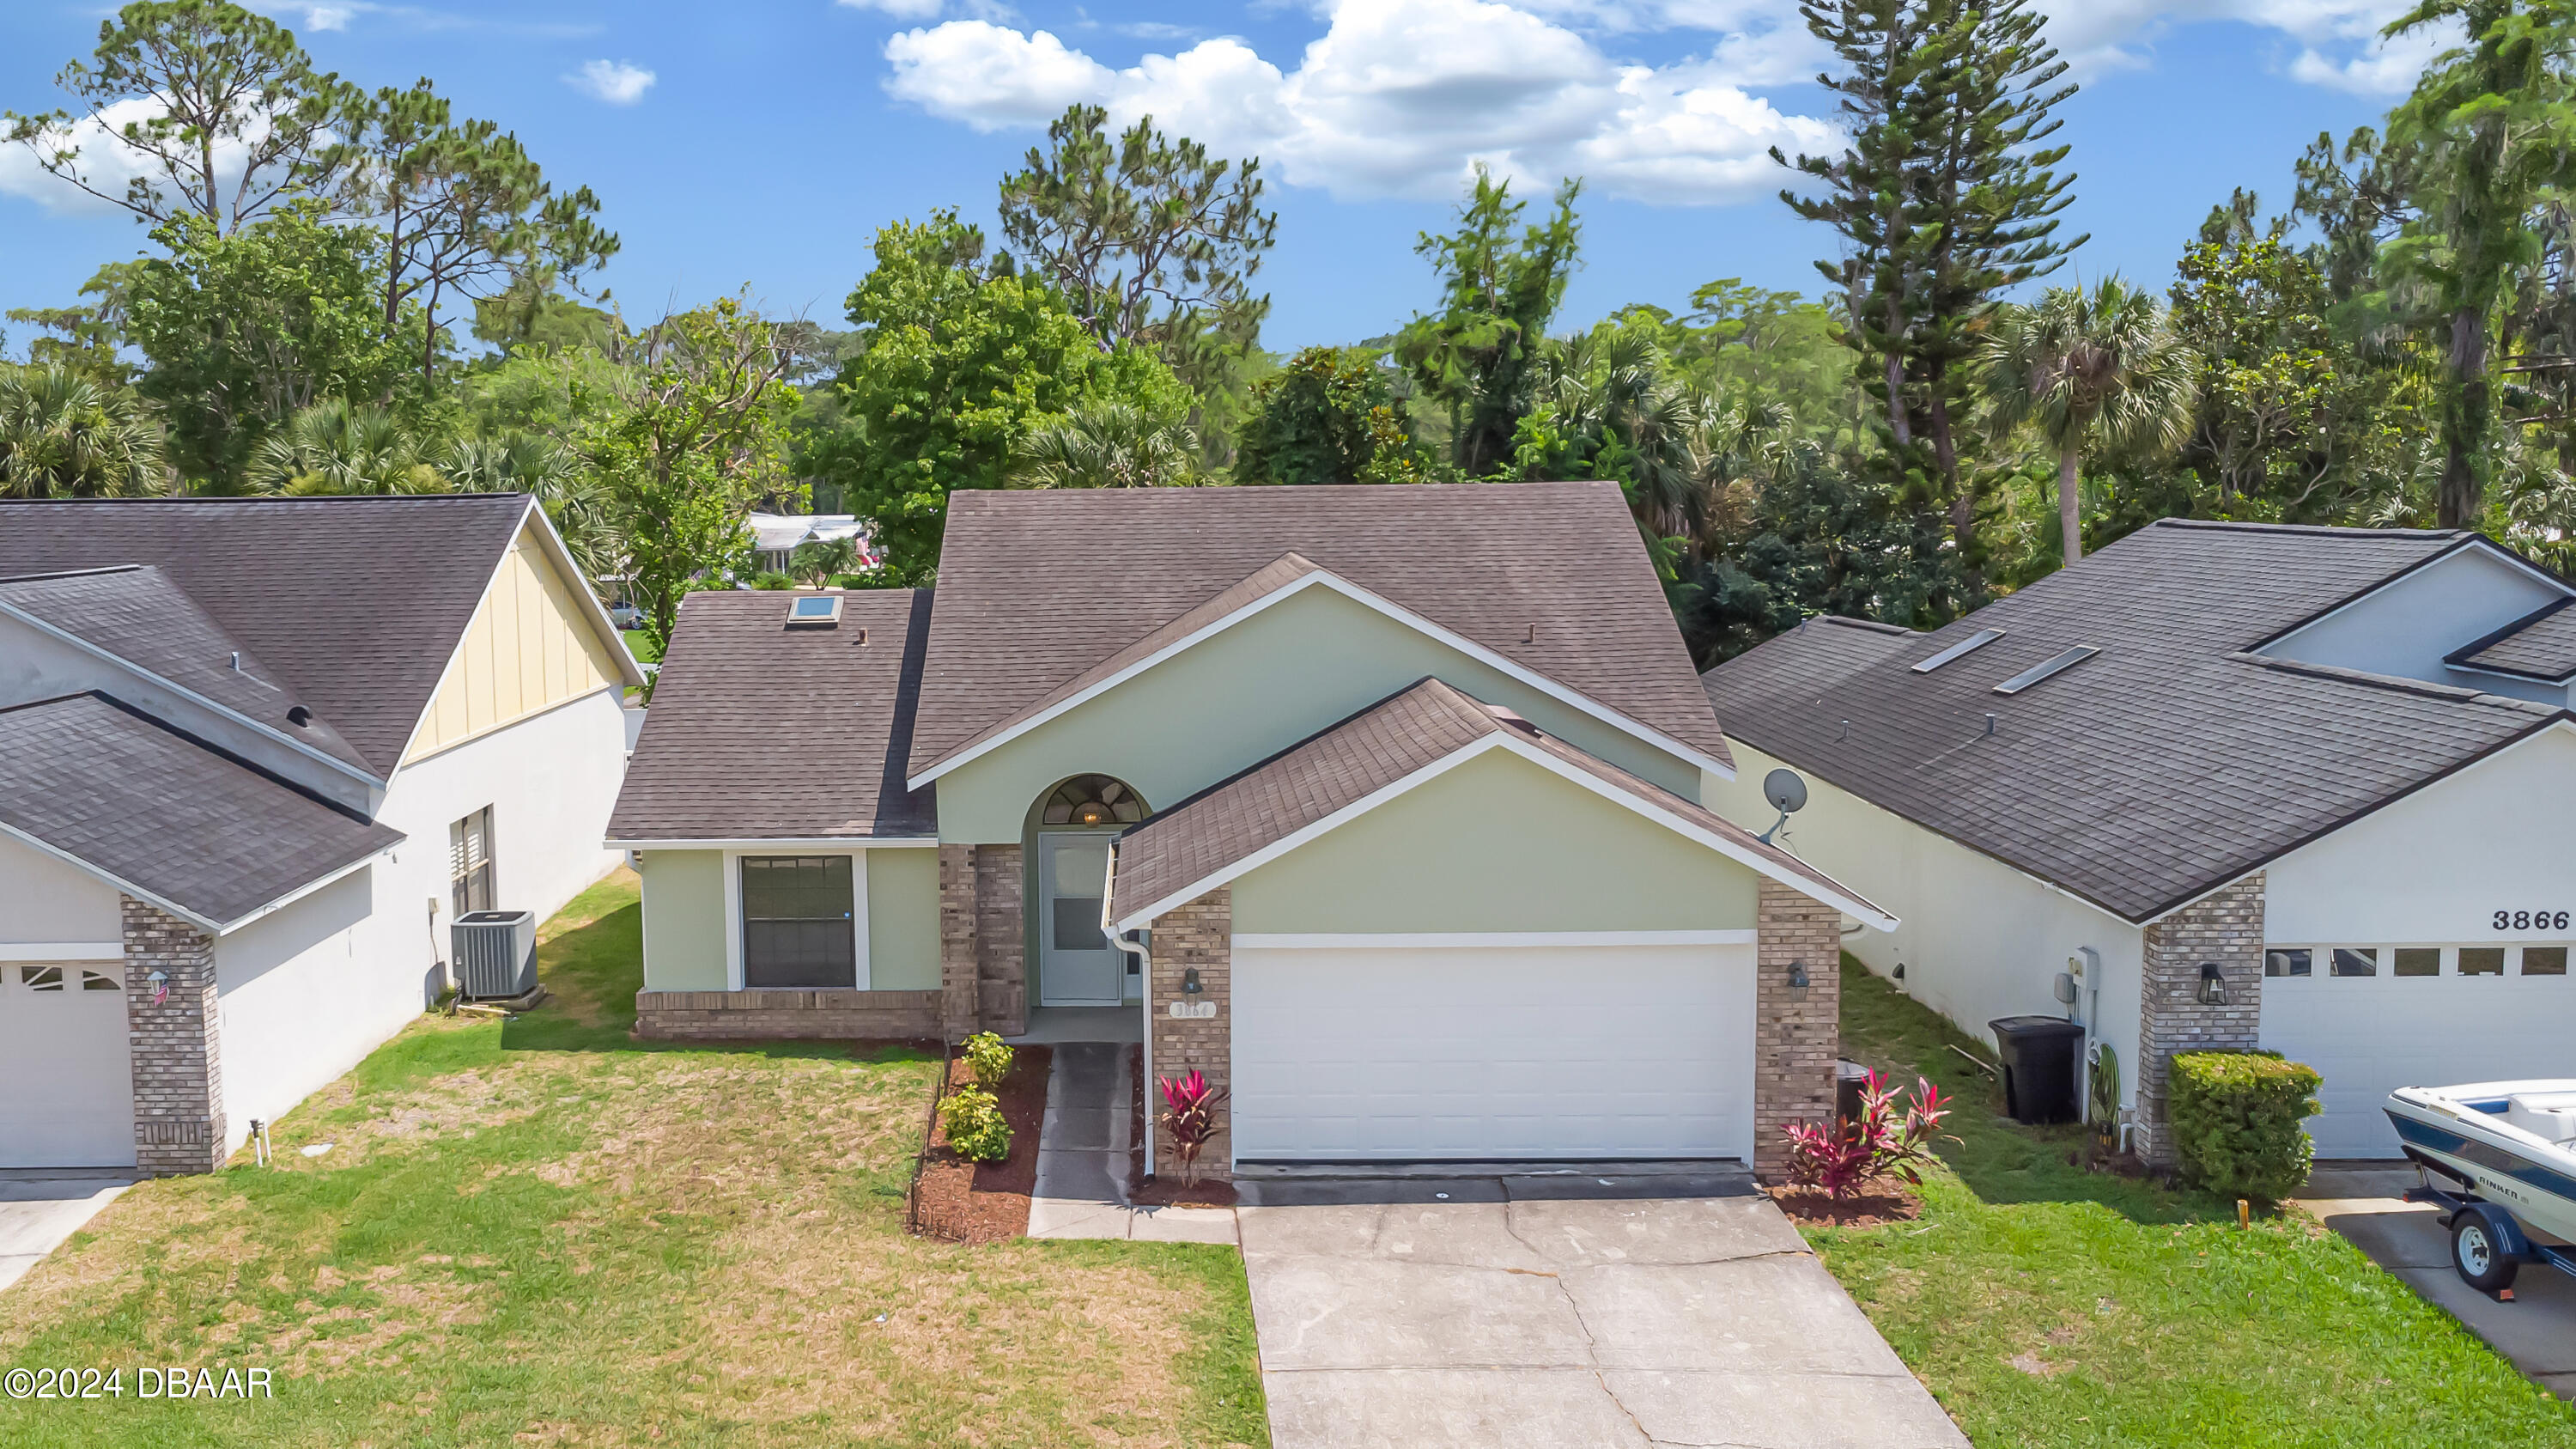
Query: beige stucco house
x,y
1381,806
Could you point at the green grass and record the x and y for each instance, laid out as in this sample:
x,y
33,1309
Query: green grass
x,y
640,644
545,1232
2046,1305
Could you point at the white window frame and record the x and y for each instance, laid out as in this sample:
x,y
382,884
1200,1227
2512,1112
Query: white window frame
x,y
734,922
2321,961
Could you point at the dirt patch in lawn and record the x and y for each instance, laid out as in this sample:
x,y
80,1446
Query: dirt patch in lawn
x,y
986,1202
1884,1203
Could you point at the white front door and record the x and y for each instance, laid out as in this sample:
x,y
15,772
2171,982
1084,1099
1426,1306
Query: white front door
x,y
66,1086
1346,1053
1076,964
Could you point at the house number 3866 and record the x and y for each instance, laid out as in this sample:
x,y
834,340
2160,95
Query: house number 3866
x,y
2531,920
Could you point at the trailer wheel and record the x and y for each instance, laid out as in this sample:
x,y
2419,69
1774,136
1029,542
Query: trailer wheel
x,y
2480,1261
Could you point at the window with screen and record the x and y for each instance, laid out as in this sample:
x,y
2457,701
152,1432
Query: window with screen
x,y
469,862
797,922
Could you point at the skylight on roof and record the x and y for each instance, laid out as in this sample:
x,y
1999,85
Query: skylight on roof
x,y
814,611
2045,668
1969,645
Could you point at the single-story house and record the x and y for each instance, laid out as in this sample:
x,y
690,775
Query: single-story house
x,y
2310,789
255,755
1380,806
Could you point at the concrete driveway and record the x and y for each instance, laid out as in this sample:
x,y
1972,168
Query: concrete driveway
x,y
2537,1330
41,1207
1563,1309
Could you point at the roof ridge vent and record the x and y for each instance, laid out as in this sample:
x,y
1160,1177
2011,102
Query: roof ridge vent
x,y
2047,667
1969,645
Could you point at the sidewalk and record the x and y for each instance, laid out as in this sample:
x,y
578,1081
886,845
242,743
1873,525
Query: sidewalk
x,y
1082,1158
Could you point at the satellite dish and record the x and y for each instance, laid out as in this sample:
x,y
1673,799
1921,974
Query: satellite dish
x,y
1787,794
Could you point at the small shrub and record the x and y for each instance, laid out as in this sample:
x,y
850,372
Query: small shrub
x,y
1190,1116
987,1058
972,1118
1842,1157
2236,1119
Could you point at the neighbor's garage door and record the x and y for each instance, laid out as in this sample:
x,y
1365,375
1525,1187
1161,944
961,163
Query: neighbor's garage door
x,y
1519,1052
66,1092
2368,1035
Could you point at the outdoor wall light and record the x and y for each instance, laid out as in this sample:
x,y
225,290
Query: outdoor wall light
x,y
1190,982
2213,985
1797,975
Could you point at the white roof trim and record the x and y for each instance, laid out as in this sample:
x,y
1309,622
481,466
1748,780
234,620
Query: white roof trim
x,y
1843,900
321,756
1326,578
205,923
754,842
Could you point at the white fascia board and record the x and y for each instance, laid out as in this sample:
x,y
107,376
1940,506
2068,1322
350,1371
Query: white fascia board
x,y
127,886
300,892
1325,578
322,757
631,671
1848,903
836,843
1482,940
62,951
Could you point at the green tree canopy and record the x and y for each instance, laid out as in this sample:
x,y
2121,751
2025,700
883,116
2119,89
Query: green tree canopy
x,y
1500,283
1328,416
64,434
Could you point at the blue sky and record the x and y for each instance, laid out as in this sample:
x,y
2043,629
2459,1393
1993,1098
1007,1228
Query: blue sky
x,y
762,142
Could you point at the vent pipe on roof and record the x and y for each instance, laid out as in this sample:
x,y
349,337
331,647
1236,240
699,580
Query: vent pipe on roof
x,y
236,659
1990,724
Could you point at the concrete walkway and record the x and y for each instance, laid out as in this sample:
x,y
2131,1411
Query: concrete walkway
x,y
2536,1331
40,1207
1565,1309
1081,1189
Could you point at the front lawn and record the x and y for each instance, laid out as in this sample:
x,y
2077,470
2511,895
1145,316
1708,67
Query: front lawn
x,y
2049,1306
547,1233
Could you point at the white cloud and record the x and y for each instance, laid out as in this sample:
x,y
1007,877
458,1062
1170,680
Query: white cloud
x,y
327,17
106,162
1398,97
900,9
618,82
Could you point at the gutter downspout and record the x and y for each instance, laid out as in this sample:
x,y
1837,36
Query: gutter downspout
x,y
1145,993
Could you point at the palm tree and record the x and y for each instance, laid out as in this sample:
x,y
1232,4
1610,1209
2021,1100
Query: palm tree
x,y
2086,364
333,447
1105,445
574,497
63,435
821,560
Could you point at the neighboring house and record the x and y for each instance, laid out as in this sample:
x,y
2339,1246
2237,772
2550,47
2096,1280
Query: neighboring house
x,y
254,756
1378,805
775,537
2332,769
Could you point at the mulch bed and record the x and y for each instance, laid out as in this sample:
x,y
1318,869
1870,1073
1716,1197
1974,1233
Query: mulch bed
x,y
1809,1207
1159,1191
986,1202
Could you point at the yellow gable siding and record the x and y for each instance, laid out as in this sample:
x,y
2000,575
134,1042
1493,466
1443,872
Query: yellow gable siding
x,y
528,649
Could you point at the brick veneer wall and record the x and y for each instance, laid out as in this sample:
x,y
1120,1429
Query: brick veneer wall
x,y
2225,927
1199,934
177,1051
776,1014
1001,932
959,966
1796,1033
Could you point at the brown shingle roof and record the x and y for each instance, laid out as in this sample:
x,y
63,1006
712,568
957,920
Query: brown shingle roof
x,y
2172,762
356,604
760,731
2539,645
1039,590
166,814
1202,838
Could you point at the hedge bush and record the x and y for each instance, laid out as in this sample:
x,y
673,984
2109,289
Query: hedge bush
x,y
972,1118
2236,1119
988,1057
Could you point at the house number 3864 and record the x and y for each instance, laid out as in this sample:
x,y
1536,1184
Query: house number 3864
x,y
2531,920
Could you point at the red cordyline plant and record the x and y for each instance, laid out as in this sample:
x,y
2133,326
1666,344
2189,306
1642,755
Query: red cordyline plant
x,y
1190,1116
1843,1157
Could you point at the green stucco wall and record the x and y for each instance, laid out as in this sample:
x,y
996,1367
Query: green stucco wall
x,y
1497,844
684,919
1243,695
903,920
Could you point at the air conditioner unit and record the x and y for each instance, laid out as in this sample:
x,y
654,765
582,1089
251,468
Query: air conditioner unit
x,y
495,953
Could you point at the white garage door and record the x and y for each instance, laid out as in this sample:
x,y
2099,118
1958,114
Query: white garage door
x,y
1349,1053
2368,1035
66,1092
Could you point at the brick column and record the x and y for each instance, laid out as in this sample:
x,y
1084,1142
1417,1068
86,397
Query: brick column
x,y
2225,928
958,923
176,1046
1797,1032
1199,934
1001,930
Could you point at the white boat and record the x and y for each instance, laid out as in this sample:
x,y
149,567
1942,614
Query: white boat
x,y
2496,1145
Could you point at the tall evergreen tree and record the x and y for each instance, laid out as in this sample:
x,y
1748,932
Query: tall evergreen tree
x,y
1478,354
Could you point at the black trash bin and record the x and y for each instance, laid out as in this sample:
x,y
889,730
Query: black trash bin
x,y
2039,1066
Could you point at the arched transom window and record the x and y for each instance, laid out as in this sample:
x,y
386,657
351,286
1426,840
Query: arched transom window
x,y
1093,800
